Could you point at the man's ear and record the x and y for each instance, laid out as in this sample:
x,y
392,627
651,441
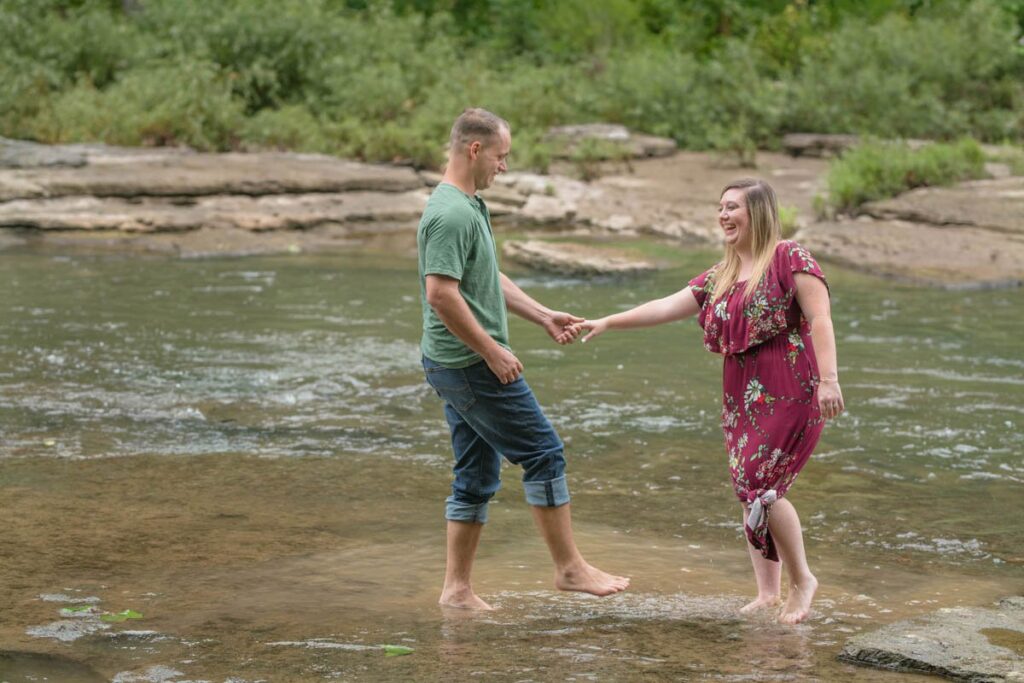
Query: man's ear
x,y
474,149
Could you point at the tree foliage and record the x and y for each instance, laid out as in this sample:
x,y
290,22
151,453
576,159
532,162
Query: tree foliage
x,y
382,79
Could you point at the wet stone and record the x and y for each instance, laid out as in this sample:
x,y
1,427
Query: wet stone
x,y
19,667
964,644
153,674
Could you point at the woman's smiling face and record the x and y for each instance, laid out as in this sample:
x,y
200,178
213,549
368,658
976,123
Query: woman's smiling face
x,y
734,218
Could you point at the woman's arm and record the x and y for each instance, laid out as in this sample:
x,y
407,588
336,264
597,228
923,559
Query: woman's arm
x,y
812,296
673,307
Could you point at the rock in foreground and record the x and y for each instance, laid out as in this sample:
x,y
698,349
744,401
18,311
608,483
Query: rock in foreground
x,y
965,644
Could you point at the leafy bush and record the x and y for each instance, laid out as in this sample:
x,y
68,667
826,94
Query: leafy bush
x,y
877,170
790,220
177,104
933,77
292,127
381,80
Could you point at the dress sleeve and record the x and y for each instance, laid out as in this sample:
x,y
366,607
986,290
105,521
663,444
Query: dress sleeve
x,y
795,259
702,285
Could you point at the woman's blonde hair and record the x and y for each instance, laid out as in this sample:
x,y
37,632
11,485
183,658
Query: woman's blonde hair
x,y
765,233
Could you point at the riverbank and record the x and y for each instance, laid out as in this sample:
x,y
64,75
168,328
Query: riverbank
x,y
188,204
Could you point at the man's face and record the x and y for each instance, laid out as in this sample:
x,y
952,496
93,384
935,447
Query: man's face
x,y
490,158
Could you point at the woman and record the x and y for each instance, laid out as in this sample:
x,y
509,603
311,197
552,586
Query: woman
x,y
765,308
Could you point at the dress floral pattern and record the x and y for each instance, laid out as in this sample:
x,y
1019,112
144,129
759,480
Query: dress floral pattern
x,y
770,416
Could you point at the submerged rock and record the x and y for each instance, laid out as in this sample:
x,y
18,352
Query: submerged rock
x,y
68,630
566,258
33,666
965,644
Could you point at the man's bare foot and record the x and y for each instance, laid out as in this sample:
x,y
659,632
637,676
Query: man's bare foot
x,y
589,579
462,598
798,602
761,602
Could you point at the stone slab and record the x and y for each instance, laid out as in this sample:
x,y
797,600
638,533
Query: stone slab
x,y
257,214
978,645
27,154
948,257
996,204
208,174
566,258
635,144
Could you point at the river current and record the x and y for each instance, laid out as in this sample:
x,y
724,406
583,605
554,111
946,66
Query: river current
x,y
243,453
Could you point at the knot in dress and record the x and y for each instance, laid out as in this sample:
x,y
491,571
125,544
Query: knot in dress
x,y
770,416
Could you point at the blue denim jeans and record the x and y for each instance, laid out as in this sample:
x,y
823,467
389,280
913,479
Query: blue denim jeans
x,y
489,420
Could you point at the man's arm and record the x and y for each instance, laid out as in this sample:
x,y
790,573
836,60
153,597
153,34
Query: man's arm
x,y
444,297
555,323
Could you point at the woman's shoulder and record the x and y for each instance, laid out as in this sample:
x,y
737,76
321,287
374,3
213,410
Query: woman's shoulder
x,y
793,257
788,247
790,250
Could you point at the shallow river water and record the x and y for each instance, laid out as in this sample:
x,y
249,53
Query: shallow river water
x,y
243,452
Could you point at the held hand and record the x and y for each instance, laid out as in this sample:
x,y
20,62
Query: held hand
x,y
562,327
830,399
595,327
504,365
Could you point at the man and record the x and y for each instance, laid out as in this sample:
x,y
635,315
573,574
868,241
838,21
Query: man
x,y
491,411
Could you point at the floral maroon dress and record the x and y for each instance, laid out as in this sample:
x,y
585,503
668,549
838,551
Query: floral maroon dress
x,y
770,416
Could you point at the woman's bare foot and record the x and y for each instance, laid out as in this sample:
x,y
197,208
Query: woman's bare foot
x,y
761,602
798,602
589,579
462,598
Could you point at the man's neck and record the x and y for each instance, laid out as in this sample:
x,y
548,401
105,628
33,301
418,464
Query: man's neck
x,y
461,178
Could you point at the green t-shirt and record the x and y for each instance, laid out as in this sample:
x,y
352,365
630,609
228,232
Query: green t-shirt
x,y
455,239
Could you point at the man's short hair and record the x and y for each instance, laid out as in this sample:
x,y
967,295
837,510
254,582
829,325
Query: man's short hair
x,y
476,124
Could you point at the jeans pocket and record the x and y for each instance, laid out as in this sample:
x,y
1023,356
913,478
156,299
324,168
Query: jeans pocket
x,y
452,386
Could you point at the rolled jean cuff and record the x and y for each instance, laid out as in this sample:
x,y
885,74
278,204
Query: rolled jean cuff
x,y
549,494
465,512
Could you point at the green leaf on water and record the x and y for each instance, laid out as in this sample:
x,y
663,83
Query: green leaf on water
x,y
396,650
121,616
83,608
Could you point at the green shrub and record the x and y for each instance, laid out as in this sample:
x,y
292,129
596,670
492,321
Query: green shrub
x,y
271,49
1010,155
723,103
789,218
383,79
178,104
291,127
937,76
877,170
588,155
